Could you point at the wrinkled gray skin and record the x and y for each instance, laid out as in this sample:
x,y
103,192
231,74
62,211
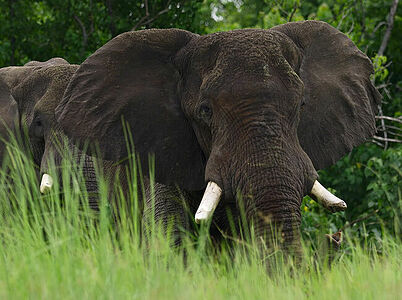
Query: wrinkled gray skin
x,y
8,116
30,94
256,111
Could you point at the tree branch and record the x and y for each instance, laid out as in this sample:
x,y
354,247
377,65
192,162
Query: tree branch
x,y
390,22
377,143
112,26
391,127
359,220
390,133
363,22
344,15
377,27
385,140
83,29
351,28
295,7
399,120
91,26
12,37
157,15
143,18
147,19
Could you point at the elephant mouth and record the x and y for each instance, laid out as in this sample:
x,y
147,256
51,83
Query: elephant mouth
x,y
213,193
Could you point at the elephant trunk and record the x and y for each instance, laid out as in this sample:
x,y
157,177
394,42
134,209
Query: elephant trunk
x,y
272,173
91,183
273,208
276,221
88,172
272,176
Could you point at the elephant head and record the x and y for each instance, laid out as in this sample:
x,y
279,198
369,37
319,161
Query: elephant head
x,y
250,111
34,91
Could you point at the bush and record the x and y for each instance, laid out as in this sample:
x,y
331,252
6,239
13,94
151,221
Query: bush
x,y
369,180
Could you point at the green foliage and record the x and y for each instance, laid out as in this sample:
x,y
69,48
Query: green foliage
x,y
380,71
39,30
317,221
324,13
370,181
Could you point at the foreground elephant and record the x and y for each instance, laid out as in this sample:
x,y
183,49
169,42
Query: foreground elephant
x,y
249,111
28,92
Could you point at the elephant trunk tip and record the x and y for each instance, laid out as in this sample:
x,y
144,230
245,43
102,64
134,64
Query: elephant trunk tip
x,y
46,184
327,199
208,203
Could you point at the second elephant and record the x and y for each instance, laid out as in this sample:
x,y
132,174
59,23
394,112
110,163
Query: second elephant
x,y
29,95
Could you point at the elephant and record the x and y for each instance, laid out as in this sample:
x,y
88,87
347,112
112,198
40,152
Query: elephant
x,y
27,92
8,116
249,112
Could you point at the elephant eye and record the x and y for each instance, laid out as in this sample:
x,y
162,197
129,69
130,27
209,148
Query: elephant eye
x,y
38,127
205,112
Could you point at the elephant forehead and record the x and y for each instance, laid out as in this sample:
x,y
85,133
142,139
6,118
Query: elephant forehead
x,y
247,48
243,58
237,39
262,81
59,77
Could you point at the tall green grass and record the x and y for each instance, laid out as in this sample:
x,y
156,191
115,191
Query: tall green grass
x,y
54,247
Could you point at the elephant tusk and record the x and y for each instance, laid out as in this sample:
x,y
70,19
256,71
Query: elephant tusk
x,y
208,203
326,198
46,184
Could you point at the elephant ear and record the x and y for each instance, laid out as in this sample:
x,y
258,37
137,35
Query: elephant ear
x,y
132,78
8,114
340,102
36,81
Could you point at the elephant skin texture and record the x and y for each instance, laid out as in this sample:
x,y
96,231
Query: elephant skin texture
x,y
255,111
29,95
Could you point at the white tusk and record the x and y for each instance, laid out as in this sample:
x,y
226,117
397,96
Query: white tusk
x,y
326,199
46,184
208,203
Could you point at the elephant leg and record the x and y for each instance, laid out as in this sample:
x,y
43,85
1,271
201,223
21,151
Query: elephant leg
x,y
167,207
